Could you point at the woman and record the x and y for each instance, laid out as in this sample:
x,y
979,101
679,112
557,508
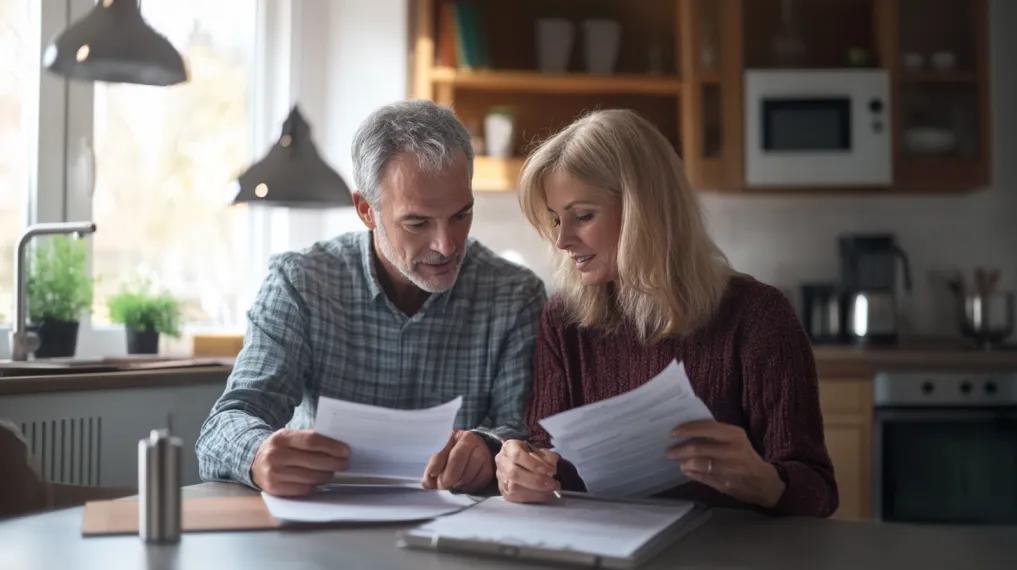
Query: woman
x,y
642,284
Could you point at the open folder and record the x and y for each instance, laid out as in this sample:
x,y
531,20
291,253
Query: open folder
x,y
579,529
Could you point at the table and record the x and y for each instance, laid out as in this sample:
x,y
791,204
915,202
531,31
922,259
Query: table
x,y
731,539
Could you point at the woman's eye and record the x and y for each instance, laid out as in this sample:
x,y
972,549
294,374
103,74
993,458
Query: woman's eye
x,y
584,217
555,222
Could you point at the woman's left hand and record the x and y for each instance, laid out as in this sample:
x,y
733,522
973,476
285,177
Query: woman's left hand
x,y
721,456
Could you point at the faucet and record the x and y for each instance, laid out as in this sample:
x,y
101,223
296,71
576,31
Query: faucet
x,y
24,342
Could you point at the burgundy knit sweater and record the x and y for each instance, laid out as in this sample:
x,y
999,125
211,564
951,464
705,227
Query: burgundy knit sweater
x,y
751,364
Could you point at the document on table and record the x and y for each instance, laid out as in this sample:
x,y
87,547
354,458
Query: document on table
x,y
365,503
385,442
579,526
618,445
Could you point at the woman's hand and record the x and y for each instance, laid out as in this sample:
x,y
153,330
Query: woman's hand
x,y
721,456
526,475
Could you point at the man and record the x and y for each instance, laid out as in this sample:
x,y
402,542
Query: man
x,y
407,315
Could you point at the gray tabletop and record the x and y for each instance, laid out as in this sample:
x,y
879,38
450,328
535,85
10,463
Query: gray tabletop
x,y
730,539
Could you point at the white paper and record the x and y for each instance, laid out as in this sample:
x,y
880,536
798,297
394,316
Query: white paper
x,y
365,503
605,528
386,442
618,445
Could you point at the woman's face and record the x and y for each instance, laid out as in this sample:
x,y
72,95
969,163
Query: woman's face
x,y
588,222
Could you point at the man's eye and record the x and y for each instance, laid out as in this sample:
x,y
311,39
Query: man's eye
x,y
416,225
464,215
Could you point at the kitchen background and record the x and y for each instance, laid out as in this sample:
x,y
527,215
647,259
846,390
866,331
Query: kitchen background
x,y
780,239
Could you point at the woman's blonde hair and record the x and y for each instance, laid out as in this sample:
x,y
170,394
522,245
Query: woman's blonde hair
x,y
671,276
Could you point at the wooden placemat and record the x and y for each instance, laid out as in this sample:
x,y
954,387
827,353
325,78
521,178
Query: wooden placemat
x,y
200,514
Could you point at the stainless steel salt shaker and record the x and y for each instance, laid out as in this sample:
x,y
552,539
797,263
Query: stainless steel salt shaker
x,y
159,487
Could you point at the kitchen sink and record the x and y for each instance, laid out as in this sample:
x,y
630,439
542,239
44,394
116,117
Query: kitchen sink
x,y
60,366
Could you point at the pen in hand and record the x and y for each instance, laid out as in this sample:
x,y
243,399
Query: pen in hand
x,y
536,455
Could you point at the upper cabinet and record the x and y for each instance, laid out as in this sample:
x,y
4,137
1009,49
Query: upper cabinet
x,y
516,71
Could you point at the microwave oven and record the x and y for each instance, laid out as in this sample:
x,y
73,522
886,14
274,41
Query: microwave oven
x,y
816,127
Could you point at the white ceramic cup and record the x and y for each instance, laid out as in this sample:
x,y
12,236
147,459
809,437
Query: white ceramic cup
x,y
601,40
555,37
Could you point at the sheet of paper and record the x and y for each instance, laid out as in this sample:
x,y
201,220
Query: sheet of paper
x,y
385,442
606,528
365,503
618,444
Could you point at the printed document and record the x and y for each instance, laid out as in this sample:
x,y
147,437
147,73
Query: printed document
x,y
618,445
604,528
385,442
365,503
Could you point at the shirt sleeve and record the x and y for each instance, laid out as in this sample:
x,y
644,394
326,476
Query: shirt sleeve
x,y
511,384
267,381
782,400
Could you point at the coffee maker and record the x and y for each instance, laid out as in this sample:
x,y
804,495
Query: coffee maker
x,y
869,275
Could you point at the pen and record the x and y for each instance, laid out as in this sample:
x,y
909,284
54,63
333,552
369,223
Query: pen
x,y
533,453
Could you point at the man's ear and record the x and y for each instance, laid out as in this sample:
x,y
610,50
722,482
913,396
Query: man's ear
x,y
364,211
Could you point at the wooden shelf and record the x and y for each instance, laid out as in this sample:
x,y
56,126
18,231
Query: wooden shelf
x,y
570,83
946,77
496,174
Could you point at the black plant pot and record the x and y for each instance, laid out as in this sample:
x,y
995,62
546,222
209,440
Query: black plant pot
x,y
142,342
56,338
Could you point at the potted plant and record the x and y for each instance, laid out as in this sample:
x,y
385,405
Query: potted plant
x,y
59,292
145,315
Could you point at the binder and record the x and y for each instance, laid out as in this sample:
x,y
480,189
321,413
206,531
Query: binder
x,y
653,543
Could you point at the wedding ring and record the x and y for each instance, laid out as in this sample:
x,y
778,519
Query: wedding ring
x,y
709,466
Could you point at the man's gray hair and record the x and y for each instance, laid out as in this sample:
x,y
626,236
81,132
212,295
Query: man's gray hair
x,y
431,132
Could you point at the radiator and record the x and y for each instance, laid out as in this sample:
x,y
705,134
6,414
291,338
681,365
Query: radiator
x,y
66,450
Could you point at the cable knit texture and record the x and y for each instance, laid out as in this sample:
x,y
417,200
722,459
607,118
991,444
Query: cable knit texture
x,y
751,364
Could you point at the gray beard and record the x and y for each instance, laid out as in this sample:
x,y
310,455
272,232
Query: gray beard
x,y
390,254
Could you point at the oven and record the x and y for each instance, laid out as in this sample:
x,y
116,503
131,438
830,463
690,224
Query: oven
x,y
945,447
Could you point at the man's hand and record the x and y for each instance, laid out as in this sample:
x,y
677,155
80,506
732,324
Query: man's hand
x,y
526,475
292,462
464,464
721,456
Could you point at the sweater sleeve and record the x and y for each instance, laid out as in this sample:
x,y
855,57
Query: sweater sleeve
x,y
551,392
782,401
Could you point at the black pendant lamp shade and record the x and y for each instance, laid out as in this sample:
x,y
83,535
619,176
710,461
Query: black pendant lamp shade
x,y
293,173
113,43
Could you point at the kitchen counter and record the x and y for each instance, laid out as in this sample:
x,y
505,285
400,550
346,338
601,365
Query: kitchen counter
x,y
729,539
134,378
843,361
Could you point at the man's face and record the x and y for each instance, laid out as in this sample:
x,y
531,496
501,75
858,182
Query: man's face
x,y
423,221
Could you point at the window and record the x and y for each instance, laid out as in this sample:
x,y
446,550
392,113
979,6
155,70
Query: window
x,y
15,78
166,158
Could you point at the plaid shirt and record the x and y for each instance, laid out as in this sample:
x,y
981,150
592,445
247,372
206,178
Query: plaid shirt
x,y
321,325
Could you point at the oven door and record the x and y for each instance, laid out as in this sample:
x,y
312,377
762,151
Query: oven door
x,y
946,465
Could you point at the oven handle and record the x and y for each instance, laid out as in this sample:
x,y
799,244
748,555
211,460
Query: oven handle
x,y
945,414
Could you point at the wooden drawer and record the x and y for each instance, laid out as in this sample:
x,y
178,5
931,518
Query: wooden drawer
x,y
848,396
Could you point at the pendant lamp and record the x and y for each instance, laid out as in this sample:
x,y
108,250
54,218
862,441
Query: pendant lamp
x,y
293,173
114,43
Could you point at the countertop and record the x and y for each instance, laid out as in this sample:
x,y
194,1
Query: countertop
x,y
730,539
846,361
184,376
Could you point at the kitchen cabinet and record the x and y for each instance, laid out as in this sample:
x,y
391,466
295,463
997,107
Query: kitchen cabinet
x,y
681,64
846,404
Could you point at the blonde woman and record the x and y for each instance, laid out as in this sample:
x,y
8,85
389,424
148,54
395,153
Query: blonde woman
x,y
642,284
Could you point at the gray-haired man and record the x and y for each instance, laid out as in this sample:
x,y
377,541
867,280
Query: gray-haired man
x,y
407,315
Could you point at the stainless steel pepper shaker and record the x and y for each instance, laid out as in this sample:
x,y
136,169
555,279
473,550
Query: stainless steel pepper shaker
x,y
159,487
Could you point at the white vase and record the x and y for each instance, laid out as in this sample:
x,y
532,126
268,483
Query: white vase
x,y
601,40
499,129
555,37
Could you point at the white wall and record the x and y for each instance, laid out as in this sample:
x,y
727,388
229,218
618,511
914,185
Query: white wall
x,y
779,239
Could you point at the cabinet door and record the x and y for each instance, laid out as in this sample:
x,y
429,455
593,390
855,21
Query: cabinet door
x,y
847,426
711,67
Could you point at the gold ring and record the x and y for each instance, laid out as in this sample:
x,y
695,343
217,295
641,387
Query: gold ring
x,y
709,466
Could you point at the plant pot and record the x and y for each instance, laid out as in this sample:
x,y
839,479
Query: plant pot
x,y
56,338
554,44
142,341
602,38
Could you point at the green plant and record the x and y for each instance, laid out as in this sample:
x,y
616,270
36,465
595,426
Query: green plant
x,y
142,310
59,286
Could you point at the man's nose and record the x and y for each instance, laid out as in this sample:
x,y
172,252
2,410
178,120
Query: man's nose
x,y
443,242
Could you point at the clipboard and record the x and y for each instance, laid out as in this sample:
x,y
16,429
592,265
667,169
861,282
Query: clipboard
x,y
422,538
